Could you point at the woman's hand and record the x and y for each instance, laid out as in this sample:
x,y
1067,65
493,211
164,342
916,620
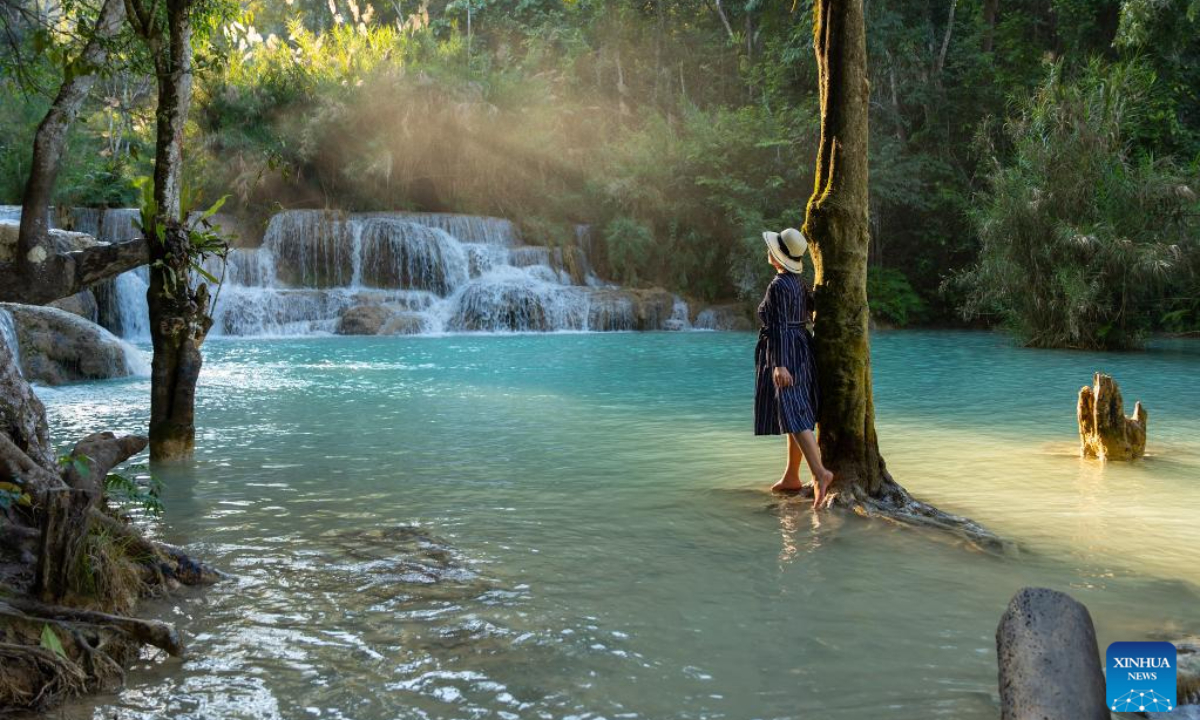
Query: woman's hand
x,y
782,377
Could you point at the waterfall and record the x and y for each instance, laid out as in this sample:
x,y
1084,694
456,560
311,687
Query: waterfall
x,y
8,336
397,272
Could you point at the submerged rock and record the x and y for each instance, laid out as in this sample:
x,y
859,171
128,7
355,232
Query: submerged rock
x,y
1048,658
57,347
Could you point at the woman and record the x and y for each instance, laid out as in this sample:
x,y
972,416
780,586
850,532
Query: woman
x,y
785,394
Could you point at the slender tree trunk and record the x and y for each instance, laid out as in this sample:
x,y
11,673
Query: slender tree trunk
x,y
178,315
837,227
49,144
990,8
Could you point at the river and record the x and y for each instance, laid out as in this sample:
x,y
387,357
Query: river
x,y
577,526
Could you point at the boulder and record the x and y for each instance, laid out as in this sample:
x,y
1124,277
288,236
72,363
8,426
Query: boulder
x,y
56,347
363,320
82,304
1048,659
403,323
380,319
22,416
729,317
616,308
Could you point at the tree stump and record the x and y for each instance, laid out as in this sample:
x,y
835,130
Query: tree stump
x,y
1104,431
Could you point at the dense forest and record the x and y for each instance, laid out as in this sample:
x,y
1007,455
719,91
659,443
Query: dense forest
x,y
1034,164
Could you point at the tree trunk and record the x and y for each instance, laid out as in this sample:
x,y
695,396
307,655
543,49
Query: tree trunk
x,y
179,319
836,225
49,144
990,7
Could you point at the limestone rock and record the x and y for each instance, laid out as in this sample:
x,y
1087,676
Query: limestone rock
x,y
82,304
363,320
403,323
22,416
1049,662
731,317
57,347
380,319
1104,431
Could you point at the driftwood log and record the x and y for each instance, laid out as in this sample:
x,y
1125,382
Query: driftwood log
x,y
1104,430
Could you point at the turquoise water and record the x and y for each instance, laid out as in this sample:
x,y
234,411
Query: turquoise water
x,y
577,526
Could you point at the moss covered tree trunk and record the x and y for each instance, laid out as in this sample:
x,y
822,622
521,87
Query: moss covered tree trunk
x,y
50,143
179,320
836,225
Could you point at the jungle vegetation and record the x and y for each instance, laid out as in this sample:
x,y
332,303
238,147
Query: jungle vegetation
x,y
1033,164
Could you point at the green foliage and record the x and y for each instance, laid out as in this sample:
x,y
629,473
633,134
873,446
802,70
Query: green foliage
x,y
892,298
676,137
1080,236
143,493
630,246
50,641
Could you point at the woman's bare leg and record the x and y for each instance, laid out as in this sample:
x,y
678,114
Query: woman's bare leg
x,y
790,482
821,476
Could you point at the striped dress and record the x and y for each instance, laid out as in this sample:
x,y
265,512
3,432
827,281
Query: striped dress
x,y
783,341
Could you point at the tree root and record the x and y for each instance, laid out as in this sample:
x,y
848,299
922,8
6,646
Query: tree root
x,y
895,504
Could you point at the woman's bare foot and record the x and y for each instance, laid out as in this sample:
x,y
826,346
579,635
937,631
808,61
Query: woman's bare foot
x,y
788,484
821,488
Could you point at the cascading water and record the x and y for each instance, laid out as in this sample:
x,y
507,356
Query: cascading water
x,y
8,336
410,272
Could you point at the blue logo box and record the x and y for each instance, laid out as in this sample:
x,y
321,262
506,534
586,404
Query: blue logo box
x,y
1140,676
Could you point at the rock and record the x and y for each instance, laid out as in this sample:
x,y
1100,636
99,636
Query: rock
x,y
377,319
22,416
61,240
1049,662
729,317
1104,431
654,307
615,309
82,304
403,323
363,320
57,347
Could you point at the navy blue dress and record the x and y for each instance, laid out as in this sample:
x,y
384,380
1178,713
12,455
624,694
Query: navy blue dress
x,y
783,341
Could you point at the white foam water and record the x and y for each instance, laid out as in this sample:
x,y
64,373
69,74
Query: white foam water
x,y
8,336
449,273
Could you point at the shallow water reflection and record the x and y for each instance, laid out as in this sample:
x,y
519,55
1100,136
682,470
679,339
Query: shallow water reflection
x,y
576,526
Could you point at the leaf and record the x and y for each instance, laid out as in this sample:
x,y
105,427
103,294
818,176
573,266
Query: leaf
x,y
51,642
10,488
204,273
215,207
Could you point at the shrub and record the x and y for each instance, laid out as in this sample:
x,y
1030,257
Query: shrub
x,y
1080,236
892,298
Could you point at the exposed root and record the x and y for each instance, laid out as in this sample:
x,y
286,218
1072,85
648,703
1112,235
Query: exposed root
x,y
895,504
36,678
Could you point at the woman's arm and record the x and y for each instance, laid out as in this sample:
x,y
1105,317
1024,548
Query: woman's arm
x,y
779,352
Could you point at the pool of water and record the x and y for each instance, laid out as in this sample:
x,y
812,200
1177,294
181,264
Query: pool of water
x,y
577,526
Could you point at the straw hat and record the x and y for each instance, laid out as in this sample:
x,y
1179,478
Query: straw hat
x,y
788,248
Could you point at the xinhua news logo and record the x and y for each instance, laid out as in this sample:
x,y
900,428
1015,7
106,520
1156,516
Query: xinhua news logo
x,y
1140,677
